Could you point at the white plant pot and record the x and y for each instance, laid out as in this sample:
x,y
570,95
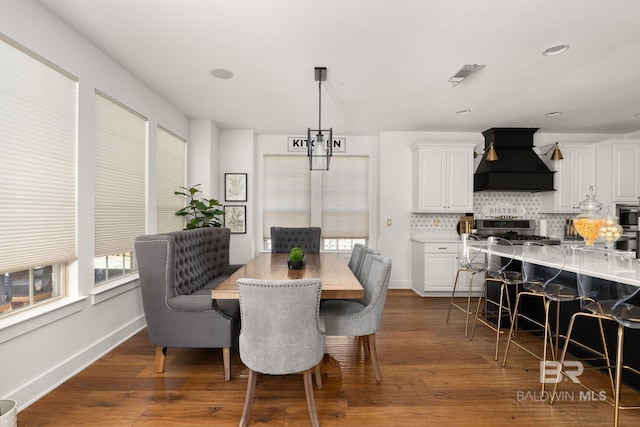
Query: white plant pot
x,y
8,413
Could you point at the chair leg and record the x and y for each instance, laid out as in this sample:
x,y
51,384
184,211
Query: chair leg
x,y
311,403
563,355
504,291
620,347
226,359
453,292
468,311
365,346
547,304
248,400
514,320
483,295
161,353
371,340
318,370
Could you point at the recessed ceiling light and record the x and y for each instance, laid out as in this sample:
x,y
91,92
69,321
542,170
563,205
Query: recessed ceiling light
x,y
463,112
221,73
553,113
556,50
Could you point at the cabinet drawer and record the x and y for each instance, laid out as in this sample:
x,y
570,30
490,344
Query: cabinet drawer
x,y
449,247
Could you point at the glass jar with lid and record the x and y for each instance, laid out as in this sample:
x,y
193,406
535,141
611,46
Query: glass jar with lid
x,y
610,231
589,221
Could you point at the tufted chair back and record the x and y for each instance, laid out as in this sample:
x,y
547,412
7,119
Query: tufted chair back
x,y
285,238
205,248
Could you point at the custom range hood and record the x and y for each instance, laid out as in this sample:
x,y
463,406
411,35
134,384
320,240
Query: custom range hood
x,y
518,167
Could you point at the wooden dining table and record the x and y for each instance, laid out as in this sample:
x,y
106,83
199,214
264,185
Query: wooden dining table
x,y
338,281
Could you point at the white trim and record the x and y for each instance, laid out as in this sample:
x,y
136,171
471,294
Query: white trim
x,y
102,293
38,316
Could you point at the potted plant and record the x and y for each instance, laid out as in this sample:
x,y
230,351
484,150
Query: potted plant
x,y
296,258
201,212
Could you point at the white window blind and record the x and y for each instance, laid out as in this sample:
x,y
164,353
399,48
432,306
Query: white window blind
x,y
120,167
286,193
38,139
170,176
345,198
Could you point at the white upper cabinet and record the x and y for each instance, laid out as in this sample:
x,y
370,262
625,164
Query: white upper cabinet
x,y
574,175
443,177
626,172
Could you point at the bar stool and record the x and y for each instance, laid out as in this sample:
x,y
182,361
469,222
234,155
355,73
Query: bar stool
x,y
597,296
627,314
471,260
541,266
499,256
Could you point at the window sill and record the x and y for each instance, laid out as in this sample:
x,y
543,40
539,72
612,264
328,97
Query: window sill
x,y
110,290
36,317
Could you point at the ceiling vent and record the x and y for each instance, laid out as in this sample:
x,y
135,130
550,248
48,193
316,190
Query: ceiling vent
x,y
465,72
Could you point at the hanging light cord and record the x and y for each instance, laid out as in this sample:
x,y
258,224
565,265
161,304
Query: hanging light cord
x,y
320,108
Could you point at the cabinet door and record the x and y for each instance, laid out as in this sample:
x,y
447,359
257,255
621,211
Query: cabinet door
x,y
583,176
625,169
430,189
440,269
443,178
460,180
574,175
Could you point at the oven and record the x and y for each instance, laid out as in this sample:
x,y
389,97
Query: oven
x,y
628,217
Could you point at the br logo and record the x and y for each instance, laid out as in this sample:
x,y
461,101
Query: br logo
x,y
551,371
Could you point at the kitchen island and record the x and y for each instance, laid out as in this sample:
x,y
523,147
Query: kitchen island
x,y
585,329
601,270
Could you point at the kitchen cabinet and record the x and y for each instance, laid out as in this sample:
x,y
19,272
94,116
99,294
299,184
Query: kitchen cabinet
x,y
434,265
626,172
574,175
443,177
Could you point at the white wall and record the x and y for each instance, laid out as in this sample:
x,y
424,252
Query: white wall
x,y
237,155
40,352
396,182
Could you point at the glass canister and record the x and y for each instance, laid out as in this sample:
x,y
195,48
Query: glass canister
x,y
610,231
589,221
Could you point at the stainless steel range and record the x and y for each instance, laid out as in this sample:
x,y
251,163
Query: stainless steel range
x,y
517,231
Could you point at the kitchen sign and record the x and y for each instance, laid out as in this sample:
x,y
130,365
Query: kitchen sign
x,y
298,144
503,210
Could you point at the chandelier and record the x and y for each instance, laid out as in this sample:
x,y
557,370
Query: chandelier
x,y
319,141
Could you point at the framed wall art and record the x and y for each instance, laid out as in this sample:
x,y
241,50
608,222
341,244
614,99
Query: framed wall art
x,y
235,187
235,218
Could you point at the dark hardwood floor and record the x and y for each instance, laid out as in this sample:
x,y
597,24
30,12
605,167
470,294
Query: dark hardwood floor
x,y
431,376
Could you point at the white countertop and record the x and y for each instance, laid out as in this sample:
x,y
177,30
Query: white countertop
x,y
604,270
435,236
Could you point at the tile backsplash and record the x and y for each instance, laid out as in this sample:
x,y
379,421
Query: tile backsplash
x,y
530,201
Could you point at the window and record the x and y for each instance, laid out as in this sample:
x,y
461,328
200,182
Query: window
x,y
120,195
286,193
342,193
38,138
345,202
170,175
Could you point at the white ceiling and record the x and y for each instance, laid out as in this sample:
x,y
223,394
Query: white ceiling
x,y
388,62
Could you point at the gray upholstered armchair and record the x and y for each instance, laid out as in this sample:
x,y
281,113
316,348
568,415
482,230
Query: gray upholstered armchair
x,y
177,272
282,333
285,238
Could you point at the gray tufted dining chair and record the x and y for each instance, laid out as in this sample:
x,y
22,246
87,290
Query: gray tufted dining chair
x,y
281,333
283,239
361,318
357,253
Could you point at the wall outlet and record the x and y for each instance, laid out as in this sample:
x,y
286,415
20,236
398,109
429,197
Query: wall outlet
x,y
436,222
388,222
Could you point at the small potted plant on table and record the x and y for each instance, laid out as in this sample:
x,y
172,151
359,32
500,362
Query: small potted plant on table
x,y
296,258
